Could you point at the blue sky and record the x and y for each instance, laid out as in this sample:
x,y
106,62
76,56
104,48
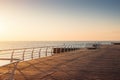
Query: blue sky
x,y
110,8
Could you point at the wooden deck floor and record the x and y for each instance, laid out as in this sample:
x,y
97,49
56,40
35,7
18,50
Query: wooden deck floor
x,y
100,64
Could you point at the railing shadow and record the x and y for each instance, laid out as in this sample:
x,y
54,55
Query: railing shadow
x,y
45,73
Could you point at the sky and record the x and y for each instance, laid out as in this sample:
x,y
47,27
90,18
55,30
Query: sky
x,y
59,20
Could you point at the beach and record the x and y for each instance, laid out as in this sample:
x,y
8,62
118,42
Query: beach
x,y
84,64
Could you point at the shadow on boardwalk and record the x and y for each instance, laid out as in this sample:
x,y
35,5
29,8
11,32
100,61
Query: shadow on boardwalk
x,y
99,64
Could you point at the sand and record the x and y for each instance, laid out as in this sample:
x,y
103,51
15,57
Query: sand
x,y
98,64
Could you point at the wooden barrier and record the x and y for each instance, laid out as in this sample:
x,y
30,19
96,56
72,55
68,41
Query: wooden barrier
x,y
60,50
117,43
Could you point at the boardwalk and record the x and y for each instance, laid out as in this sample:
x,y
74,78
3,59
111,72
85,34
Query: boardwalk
x,y
99,64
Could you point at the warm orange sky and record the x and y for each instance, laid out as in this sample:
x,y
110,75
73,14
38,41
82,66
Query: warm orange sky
x,y
21,21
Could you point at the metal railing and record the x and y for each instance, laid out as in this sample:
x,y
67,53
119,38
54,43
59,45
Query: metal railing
x,y
23,54
14,56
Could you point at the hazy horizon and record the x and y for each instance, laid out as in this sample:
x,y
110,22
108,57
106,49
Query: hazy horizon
x,y
60,20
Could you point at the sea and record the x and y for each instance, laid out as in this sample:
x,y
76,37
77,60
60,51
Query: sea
x,y
28,44
5,45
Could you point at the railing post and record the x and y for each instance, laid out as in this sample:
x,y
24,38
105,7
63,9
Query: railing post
x,y
23,57
65,49
39,52
55,50
32,53
71,47
12,54
68,48
52,51
46,51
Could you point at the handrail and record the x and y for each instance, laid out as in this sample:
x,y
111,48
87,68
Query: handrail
x,y
33,52
27,48
9,59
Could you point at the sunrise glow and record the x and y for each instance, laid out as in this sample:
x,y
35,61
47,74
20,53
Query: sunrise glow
x,y
59,20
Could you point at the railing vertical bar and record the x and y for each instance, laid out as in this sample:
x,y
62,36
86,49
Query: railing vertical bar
x,y
67,48
60,49
12,54
46,51
63,49
32,53
52,51
23,57
39,52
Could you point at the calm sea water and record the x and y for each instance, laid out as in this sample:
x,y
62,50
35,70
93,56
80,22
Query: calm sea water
x,y
29,44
